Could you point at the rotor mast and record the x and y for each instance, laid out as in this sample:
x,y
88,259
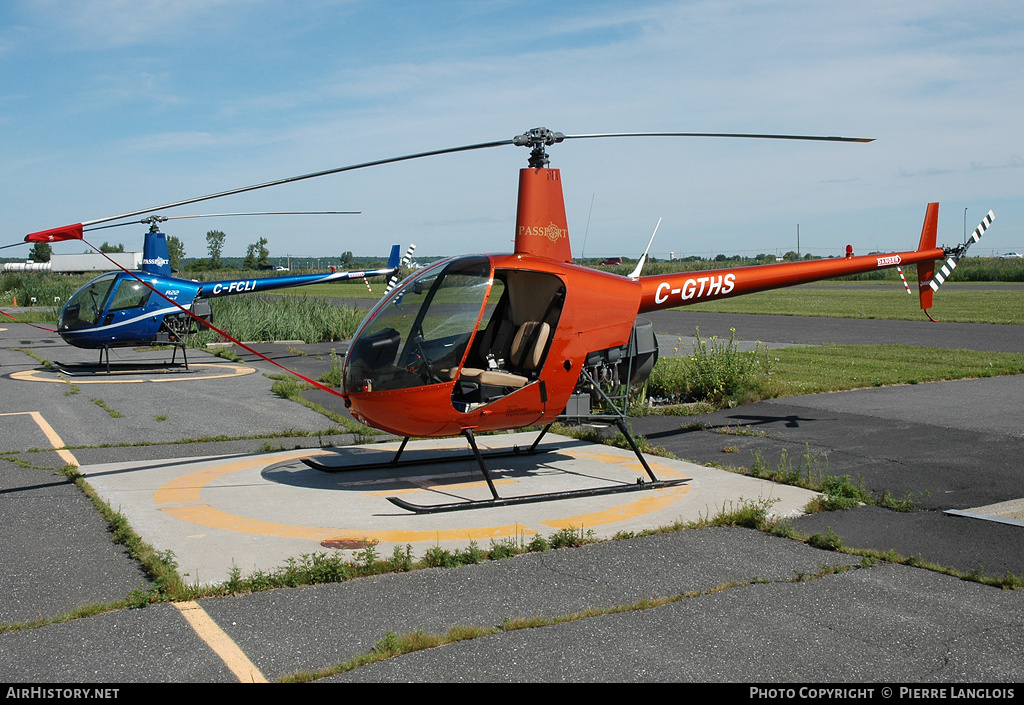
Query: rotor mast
x,y
541,224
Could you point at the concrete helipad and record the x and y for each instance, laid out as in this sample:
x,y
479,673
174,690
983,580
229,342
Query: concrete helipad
x,y
255,512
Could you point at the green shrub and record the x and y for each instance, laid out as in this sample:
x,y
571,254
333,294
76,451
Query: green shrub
x,y
252,318
716,372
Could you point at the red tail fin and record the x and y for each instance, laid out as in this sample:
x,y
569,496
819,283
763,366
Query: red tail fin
x,y
540,219
926,270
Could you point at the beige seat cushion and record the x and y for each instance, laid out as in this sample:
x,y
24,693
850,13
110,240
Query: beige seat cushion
x,y
526,353
528,345
493,378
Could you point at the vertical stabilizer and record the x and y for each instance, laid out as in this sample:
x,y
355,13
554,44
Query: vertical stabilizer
x,y
541,227
155,257
926,270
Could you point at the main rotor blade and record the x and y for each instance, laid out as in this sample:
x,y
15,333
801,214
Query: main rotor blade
x,y
723,134
279,182
520,140
147,221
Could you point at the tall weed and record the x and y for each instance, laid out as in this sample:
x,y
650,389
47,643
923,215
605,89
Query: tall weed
x,y
252,318
716,372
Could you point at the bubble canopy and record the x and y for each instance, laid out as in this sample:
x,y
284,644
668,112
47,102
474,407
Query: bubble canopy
x,y
418,336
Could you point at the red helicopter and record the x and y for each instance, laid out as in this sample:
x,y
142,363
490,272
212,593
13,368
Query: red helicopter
x,y
480,343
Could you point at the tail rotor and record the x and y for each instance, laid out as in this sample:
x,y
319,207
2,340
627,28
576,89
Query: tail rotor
x,y
398,272
957,253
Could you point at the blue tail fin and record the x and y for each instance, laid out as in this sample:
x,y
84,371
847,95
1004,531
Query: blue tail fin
x,y
393,259
155,257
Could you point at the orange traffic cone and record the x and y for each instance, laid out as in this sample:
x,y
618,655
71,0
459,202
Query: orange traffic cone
x,y
15,301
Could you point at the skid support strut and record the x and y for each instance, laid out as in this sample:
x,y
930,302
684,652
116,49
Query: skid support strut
x,y
397,462
498,501
184,356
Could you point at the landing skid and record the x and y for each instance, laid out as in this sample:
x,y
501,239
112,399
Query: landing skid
x,y
496,500
81,369
639,486
104,364
396,462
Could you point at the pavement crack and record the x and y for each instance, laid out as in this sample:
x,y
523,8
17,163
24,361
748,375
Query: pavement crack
x,y
393,645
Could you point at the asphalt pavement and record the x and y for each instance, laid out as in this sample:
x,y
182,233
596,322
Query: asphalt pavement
x,y
737,606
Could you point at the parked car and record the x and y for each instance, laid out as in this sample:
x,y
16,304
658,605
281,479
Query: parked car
x,y
1012,255
611,261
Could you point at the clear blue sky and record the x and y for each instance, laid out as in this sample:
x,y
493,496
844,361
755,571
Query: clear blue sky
x,y
108,106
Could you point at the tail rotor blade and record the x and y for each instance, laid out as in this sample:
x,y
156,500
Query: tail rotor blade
x,y
405,262
943,274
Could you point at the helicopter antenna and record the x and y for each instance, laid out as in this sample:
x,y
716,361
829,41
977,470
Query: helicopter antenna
x,y
643,257
587,229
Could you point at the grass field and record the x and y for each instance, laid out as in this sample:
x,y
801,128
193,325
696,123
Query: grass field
x,y
974,302
980,303
735,378
826,368
301,316
991,303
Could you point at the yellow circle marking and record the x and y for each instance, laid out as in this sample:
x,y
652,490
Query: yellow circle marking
x,y
232,371
184,493
210,517
651,501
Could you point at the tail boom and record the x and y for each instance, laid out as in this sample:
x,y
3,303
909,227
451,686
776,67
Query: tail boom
x,y
672,290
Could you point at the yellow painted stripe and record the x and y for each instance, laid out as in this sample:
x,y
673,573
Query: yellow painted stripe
x,y
233,372
651,502
212,518
186,488
50,434
39,376
610,458
184,493
435,486
215,637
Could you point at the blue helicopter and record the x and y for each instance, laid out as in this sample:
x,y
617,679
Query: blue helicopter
x,y
126,309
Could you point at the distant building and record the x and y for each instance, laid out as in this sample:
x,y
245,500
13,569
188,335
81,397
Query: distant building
x,y
79,264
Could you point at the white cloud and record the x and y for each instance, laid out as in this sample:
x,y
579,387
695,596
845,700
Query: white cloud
x,y
213,95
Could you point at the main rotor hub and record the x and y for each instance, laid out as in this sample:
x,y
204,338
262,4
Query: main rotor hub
x,y
537,139
153,220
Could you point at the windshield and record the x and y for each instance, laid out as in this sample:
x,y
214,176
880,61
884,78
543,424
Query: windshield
x,y
419,336
86,305
130,294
